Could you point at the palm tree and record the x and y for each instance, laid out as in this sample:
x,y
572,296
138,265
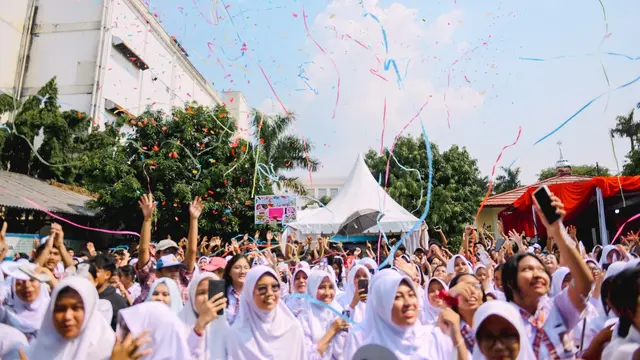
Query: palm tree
x,y
282,151
508,180
626,127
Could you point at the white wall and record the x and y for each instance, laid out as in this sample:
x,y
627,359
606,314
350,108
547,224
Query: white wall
x,y
12,19
240,110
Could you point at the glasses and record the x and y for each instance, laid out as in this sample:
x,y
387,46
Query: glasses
x,y
263,289
505,339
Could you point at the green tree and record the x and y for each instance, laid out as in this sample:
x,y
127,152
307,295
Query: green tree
x,y
191,152
281,150
626,127
325,199
632,167
508,180
458,186
584,170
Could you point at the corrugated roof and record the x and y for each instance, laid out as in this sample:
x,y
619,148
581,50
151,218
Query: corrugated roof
x,y
509,197
13,187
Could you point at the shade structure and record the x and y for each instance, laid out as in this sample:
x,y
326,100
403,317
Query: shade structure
x,y
360,192
360,221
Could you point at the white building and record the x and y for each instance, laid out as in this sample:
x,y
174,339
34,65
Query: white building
x,y
320,187
109,57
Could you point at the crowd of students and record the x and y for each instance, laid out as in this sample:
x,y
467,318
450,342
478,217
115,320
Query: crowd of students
x,y
312,299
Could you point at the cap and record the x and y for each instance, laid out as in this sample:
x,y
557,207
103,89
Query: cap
x,y
214,264
166,244
168,261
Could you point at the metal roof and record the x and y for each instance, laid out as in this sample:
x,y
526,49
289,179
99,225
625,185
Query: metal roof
x,y
15,188
509,197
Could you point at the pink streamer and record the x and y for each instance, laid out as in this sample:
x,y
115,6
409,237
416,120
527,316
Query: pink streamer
x,y
273,90
623,225
114,232
384,124
304,18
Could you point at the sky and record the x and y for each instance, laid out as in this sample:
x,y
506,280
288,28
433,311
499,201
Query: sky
x,y
459,71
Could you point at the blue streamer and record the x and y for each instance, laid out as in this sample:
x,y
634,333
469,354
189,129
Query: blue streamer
x,y
582,109
427,204
583,55
387,62
306,79
320,303
410,170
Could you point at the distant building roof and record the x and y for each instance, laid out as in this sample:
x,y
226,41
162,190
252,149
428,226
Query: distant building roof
x,y
509,197
14,187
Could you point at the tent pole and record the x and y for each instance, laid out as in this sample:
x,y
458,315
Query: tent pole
x,y
604,235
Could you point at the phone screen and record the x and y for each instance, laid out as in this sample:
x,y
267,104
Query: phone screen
x,y
363,284
544,200
216,287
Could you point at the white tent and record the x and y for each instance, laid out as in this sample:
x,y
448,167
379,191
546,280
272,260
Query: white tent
x,y
360,191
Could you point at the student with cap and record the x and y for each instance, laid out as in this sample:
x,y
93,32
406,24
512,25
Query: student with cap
x,y
215,265
168,265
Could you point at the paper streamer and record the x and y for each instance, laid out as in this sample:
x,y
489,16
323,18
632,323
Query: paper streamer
x,y
628,57
387,62
615,237
304,19
427,203
419,179
286,112
37,206
384,124
320,303
306,79
615,157
582,109
493,171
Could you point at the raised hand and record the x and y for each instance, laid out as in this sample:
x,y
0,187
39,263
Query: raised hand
x,y
147,205
128,349
196,207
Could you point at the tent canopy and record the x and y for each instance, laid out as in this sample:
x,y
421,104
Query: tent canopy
x,y
360,191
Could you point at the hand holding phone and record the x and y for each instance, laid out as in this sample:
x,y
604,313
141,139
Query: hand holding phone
x,y
216,287
542,196
363,284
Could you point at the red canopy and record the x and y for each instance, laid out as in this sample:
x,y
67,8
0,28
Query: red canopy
x,y
575,196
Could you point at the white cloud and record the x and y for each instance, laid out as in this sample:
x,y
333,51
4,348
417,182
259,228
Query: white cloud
x,y
359,117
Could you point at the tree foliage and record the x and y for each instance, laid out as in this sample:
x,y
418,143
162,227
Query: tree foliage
x,y
458,185
632,167
584,170
509,179
626,126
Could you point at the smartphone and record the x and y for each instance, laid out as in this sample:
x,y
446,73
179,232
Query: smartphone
x,y
543,197
347,314
363,284
216,287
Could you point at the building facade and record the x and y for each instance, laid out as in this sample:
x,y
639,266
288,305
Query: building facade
x,y
109,57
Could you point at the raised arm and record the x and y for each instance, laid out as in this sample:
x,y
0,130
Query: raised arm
x,y
148,207
582,279
58,242
195,209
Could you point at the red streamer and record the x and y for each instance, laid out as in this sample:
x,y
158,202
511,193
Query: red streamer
x,y
273,90
623,225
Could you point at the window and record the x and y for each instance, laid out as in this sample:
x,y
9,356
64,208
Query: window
x,y
322,193
333,193
128,53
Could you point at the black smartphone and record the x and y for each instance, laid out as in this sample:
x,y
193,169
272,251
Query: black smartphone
x,y
363,284
216,287
347,314
543,197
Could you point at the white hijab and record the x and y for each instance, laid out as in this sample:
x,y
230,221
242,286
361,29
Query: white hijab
x,y
380,329
296,304
259,334
215,333
557,279
319,318
96,338
605,253
11,340
350,290
174,293
509,313
431,312
24,316
369,261
168,332
451,264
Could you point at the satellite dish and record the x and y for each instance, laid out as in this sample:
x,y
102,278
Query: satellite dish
x,y
374,352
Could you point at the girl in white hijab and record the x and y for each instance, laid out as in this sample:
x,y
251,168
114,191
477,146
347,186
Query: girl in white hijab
x,y
458,264
264,327
393,322
499,333
370,264
167,331
323,330
609,255
194,314
558,279
72,327
12,340
433,304
300,283
353,299
26,305
166,290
